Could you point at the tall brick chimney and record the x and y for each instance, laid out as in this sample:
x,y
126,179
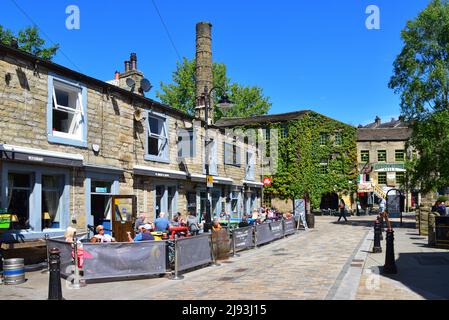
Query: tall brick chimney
x,y
203,68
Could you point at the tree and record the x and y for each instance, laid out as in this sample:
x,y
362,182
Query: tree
x,y
248,100
421,77
30,41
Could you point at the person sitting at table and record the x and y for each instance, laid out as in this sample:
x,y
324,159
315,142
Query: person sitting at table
x,y
161,223
216,226
101,236
255,215
244,222
177,220
143,236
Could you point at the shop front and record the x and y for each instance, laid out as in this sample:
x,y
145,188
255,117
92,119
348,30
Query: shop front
x,y
36,189
165,186
252,195
101,184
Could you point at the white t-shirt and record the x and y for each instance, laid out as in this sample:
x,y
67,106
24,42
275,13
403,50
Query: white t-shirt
x,y
104,238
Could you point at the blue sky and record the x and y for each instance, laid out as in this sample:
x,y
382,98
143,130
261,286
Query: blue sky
x,y
305,54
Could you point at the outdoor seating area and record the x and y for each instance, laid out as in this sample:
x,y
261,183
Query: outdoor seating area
x,y
122,260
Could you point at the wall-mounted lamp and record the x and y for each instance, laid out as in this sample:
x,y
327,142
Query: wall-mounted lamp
x,y
95,148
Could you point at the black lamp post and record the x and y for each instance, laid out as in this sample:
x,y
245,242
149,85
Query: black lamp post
x,y
223,103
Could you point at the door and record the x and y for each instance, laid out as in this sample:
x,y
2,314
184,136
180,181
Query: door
x,y
123,214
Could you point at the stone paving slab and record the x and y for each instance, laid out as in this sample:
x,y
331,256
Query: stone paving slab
x,y
423,271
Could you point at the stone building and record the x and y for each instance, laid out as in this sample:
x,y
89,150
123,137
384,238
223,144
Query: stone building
x,y
70,142
381,155
328,149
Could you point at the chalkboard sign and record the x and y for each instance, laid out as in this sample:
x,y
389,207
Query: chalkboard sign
x,y
394,205
300,212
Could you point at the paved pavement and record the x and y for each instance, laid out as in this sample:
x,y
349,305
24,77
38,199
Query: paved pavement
x,y
327,262
423,271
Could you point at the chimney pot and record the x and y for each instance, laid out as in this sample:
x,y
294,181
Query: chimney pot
x,y
377,120
133,59
127,66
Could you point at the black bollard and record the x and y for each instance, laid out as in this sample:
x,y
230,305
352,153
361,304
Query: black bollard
x,y
390,263
54,285
377,233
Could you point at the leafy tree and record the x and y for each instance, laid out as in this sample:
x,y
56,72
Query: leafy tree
x,y
30,41
421,77
180,94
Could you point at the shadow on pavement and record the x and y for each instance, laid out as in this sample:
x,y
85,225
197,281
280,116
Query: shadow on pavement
x,y
424,273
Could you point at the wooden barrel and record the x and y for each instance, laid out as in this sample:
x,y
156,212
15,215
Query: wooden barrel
x,y
14,271
221,243
310,219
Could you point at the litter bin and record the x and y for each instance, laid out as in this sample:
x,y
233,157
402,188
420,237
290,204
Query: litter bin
x,y
310,219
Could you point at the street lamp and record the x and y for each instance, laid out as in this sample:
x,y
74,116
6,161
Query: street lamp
x,y
224,103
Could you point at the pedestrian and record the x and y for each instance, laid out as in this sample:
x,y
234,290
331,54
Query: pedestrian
x,y
342,210
382,205
161,223
441,209
142,236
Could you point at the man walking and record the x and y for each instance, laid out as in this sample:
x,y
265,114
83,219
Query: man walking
x,y
342,210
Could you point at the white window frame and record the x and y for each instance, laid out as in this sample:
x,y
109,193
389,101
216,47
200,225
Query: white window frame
x,y
80,112
163,138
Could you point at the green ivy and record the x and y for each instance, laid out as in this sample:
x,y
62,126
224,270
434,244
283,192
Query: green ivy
x,y
300,154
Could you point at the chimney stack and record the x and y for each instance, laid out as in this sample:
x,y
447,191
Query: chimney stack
x,y
203,68
133,59
130,72
377,121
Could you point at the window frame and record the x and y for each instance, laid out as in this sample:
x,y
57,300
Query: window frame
x,y
163,156
61,137
362,153
191,142
396,155
378,155
379,174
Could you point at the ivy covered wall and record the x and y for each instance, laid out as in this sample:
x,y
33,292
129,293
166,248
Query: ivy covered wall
x,y
317,155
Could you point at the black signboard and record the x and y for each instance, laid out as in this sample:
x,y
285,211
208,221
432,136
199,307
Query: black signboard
x,y
263,233
289,226
442,231
243,238
276,229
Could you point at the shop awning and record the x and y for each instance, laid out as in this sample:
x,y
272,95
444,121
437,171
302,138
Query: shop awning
x,y
103,169
202,178
39,156
253,184
159,172
389,167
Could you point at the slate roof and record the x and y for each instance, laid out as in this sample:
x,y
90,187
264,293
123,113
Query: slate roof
x,y
265,119
384,134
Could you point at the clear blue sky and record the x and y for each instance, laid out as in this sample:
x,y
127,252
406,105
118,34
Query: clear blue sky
x,y
304,54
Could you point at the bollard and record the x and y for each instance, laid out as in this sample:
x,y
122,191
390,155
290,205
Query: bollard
x,y
54,285
377,232
390,264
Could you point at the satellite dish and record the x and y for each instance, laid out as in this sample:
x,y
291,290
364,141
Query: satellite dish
x,y
138,115
145,85
130,83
